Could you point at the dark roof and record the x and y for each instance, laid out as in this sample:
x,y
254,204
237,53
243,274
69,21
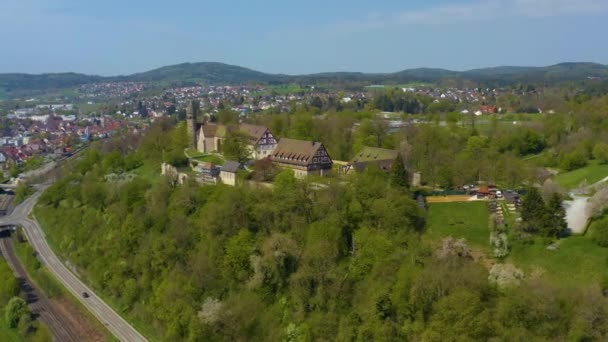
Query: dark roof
x,y
296,152
211,130
254,132
231,166
374,154
384,165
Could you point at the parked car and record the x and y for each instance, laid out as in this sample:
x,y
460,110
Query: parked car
x,y
498,194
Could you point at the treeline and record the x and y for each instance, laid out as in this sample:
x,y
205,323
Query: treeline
x,y
294,263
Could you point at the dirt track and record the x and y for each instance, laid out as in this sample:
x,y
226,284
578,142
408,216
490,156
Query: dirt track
x,y
63,320
448,199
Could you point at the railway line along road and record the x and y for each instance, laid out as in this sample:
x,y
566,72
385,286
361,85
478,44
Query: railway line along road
x,y
120,328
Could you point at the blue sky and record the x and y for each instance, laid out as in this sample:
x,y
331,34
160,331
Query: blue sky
x,y
113,37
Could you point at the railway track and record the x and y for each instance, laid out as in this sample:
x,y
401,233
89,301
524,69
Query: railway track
x,y
62,328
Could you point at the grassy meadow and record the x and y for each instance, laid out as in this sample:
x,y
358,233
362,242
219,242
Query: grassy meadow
x,y
576,260
590,174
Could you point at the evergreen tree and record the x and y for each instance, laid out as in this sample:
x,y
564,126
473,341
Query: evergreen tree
x,y
399,176
556,217
533,210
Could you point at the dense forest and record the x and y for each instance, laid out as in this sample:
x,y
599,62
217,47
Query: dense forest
x,y
348,261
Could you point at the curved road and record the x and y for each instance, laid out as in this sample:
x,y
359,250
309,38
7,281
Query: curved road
x,y
61,328
104,313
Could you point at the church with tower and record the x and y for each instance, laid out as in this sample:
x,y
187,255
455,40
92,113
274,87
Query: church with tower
x,y
208,137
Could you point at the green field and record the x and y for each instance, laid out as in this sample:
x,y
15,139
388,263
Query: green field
x,y
90,108
590,174
468,220
576,261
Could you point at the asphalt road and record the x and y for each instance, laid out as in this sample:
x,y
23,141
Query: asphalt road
x,y
42,308
113,321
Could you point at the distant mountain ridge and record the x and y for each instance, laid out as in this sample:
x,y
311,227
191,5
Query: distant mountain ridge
x,y
214,73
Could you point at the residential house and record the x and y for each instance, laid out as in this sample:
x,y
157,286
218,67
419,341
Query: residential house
x,y
304,157
381,157
261,140
228,172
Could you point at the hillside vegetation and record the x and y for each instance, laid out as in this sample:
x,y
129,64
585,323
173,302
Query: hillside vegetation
x,y
349,262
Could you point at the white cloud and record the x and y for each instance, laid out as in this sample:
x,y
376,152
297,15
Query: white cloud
x,y
473,11
543,8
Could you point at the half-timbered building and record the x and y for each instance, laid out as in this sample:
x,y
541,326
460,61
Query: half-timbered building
x,y
304,157
261,140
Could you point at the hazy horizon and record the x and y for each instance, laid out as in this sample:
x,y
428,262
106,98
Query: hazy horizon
x,y
300,74
116,38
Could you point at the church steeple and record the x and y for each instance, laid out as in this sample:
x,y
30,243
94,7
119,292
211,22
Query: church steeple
x,y
191,116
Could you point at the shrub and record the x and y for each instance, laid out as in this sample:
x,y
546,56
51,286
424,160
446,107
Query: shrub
x,y
500,244
600,235
574,160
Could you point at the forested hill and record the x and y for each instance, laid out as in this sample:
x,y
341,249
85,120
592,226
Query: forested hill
x,y
15,85
206,72
355,260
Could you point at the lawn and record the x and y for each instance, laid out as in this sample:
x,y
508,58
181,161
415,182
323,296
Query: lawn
x,y
468,220
210,158
592,173
193,153
577,261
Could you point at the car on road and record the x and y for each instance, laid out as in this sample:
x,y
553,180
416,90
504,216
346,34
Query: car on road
x,y
85,295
